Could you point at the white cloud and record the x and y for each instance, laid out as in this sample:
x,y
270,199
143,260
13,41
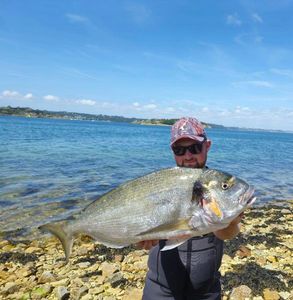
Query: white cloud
x,y
256,83
150,106
256,18
283,72
28,96
135,104
86,102
8,93
233,20
248,38
51,98
76,18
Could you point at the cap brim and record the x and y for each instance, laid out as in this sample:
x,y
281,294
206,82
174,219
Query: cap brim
x,y
191,137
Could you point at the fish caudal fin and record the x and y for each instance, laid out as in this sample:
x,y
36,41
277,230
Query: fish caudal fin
x,y
65,237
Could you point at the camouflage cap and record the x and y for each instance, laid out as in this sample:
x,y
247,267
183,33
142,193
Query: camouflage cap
x,y
187,128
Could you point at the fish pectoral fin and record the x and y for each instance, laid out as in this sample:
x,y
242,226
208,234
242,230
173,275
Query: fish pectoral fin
x,y
171,244
181,225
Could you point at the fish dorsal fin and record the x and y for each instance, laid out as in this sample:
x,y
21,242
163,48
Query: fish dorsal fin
x,y
181,225
171,244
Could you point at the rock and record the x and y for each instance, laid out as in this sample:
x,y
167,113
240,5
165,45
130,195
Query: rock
x,y
81,251
261,260
8,247
118,258
285,211
32,250
10,288
272,258
108,268
240,293
285,295
77,282
227,258
97,290
87,297
62,293
243,251
270,295
41,291
116,279
84,265
133,294
62,282
47,276
78,292
24,272
3,275
25,296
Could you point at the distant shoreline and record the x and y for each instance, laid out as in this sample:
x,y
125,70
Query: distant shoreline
x,y
28,112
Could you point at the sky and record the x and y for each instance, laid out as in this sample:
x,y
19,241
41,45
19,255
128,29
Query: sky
x,y
223,62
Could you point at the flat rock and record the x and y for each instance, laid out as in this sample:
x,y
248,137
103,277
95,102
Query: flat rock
x,y
62,293
47,276
241,292
270,295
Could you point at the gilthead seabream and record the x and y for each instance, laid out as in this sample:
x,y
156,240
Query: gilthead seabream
x,y
174,204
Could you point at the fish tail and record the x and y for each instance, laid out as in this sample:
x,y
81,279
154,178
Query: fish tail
x,y
66,238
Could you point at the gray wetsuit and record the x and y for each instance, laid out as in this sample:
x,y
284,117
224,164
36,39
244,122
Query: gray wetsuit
x,y
188,272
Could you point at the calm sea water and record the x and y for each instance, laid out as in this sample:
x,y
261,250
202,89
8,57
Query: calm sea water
x,y
52,168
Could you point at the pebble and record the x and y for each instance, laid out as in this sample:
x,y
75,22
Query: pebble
x,y
78,292
46,277
241,292
41,292
270,295
62,293
84,265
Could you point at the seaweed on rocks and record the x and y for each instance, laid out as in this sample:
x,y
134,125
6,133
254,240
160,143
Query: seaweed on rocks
x,y
19,257
259,278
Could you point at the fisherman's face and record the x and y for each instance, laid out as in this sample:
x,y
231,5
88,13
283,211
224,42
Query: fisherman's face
x,y
192,160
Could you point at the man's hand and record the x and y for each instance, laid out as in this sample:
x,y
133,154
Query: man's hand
x,y
147,245
231,231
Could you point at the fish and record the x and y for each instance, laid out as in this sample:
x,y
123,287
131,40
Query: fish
x,y
173,204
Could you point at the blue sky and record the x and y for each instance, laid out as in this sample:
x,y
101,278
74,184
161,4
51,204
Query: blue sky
x,y
224,62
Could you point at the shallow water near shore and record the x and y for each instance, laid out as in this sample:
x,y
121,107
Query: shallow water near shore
x,y
52,168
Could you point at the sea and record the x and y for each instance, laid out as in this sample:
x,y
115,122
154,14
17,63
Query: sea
x,y
50,169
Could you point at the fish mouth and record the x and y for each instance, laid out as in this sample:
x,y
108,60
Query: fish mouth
x,y
248,198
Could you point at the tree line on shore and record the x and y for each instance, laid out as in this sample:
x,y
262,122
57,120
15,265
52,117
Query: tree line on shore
x,y
37,113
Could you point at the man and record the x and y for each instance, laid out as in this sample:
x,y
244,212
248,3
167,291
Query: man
x,y
190,271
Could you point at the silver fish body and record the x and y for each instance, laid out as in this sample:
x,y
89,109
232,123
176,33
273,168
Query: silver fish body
x,y
166,204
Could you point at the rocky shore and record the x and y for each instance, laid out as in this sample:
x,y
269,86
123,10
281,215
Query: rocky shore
x,y
258,264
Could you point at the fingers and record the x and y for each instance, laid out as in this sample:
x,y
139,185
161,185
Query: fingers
x,y
238,219
147,245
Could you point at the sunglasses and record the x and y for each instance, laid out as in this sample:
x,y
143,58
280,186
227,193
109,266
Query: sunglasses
x,y
194,149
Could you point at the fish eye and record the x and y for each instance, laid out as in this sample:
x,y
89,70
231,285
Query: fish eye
x,y
225,186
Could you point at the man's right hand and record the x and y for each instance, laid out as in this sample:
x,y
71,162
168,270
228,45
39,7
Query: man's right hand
x,y
147,245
